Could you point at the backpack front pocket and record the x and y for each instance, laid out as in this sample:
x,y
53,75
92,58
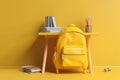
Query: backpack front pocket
x,y
73,56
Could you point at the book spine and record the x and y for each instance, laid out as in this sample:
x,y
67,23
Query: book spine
x,y
50,21
53,22
46,21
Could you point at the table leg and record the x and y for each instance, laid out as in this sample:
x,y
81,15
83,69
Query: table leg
x,y
45,55
89,55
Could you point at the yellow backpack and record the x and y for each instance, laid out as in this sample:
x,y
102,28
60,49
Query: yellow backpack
x,y
71,50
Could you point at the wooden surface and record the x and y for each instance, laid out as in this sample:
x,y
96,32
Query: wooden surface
x,y
56,33
45,55
47,33
89,54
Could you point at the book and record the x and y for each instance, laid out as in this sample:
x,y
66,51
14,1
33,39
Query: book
x,y
51,29
50,25
30,69
53,22
46,21
50,21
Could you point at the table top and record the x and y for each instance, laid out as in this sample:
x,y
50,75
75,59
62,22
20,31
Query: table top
x,y
57,33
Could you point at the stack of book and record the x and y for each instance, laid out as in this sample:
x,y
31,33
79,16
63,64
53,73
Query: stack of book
x,y
50,21
50,25
30,69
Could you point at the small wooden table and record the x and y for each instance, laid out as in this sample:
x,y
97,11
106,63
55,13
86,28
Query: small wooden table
x,y
48,35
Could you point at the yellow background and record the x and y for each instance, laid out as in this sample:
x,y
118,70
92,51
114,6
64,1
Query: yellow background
x,y
20,21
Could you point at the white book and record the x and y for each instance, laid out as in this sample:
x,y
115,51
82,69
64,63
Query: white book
x,y
35,70
53,22
30,69
51,29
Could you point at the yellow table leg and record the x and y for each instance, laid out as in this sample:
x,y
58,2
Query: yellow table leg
x,y
89,54
45,55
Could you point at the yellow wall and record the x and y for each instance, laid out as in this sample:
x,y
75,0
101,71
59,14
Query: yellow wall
x,y
20,21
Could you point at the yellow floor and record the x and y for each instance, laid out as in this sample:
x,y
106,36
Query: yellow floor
x,y
98,74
